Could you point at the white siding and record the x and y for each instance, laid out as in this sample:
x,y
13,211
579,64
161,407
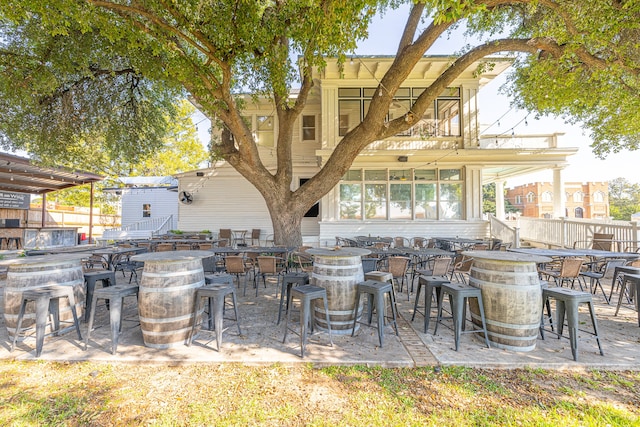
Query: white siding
x,y
163,203
224,199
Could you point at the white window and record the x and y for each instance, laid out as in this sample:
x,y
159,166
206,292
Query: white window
x,y
407,194
598,197
441,119
531,197
308,128
146,210
264,131
518,200
547,196
578,197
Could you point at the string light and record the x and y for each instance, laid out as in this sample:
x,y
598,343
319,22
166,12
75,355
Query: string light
x,y
498,121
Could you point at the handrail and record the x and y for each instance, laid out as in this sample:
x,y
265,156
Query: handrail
x,y
153,227
565,232
503,231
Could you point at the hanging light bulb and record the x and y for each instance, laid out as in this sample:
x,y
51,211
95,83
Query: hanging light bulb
x,y
380,92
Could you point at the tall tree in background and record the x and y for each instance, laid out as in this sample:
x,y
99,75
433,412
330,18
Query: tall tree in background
x,y
624,199
77,74
180,151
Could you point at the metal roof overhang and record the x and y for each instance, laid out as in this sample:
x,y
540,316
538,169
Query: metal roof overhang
x,y
22,175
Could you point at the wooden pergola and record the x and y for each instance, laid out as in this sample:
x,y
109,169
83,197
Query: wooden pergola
x,y
23,175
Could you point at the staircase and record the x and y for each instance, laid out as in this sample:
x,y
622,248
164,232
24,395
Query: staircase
x,y
140,230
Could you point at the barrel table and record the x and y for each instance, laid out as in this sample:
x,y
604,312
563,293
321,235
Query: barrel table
x,y
31,273
512,297
167,295
338,270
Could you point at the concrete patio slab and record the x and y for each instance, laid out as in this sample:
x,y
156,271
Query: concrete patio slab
x,y
261,343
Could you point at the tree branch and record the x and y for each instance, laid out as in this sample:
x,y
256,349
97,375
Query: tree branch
x,y
411,27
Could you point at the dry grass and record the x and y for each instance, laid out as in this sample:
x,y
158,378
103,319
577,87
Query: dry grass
x,y
74,394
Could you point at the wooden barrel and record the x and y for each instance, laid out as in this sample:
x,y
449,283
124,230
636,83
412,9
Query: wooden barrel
x,y
512,300
167,299
38,272
340,276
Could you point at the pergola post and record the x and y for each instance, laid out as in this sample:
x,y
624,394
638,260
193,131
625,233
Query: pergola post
x,y
91,213
44,209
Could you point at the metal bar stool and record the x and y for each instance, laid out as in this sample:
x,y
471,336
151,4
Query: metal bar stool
x,y
218,278
431,284
634,279
376,292
14,242
114,295
47,301
306,294
288,281
216,292
106,278
459,293
379,276
621,270
567,302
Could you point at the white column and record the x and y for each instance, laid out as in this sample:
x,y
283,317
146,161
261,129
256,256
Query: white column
x,y
500,200
559,205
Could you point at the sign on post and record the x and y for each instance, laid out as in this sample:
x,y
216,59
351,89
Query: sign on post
x,y
14,200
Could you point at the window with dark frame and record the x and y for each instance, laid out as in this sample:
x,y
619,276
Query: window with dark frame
x,y
441,119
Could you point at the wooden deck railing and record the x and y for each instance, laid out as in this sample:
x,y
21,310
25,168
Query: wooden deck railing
x,y
566,233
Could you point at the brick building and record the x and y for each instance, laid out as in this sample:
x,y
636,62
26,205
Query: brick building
x,y
582,200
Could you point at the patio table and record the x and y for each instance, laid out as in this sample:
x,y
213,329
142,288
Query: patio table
x,y
111,254
29,273
561,253
456,243
594,255
167,295
338,271
238,237
511,295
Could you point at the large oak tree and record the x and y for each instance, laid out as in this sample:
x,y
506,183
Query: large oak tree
x,y
77,74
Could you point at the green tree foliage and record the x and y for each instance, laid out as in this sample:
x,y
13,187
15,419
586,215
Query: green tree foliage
x,y
101,76
489,200
181,150
624,199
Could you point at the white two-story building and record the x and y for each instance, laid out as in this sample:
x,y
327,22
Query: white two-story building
x,y
425,182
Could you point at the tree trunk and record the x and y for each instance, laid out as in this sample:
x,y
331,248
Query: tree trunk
x,y
287,227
